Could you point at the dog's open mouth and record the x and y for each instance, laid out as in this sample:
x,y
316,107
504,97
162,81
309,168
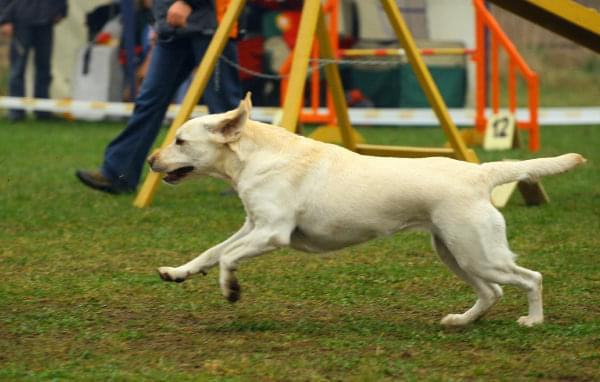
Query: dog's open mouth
x,y
176,175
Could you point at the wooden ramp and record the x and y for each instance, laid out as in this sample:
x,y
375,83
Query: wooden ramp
x,y
567,18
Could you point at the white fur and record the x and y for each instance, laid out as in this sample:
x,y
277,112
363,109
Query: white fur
x,y
320,197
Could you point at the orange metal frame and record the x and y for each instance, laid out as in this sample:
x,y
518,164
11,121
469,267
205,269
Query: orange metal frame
x,y
483,20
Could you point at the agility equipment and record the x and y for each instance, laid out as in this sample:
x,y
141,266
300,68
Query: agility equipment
x,y
484,23
313,23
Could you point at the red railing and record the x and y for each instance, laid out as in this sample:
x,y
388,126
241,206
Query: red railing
x,y
498,39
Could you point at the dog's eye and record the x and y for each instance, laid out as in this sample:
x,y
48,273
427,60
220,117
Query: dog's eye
x,y
179,141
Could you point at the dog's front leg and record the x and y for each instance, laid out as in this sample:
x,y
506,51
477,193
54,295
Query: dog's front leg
x,y
205,261
257,242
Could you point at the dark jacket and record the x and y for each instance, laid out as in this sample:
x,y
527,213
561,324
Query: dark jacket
x,y
31,12
202,20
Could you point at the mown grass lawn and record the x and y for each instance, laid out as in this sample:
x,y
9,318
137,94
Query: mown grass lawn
x,y
80,298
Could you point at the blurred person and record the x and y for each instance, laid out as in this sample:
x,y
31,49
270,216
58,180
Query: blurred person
x,y
184,30
30,26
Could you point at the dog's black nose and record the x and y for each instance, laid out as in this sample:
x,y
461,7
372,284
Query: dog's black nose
x,y
151,160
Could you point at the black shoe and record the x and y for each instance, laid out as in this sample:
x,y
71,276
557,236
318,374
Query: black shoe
x,y
97,181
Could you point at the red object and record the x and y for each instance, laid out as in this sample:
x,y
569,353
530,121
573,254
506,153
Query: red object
x,y
103,38
278,4
355,96
250,55
291,31
137,50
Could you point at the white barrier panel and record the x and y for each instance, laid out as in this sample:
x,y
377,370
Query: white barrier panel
x,y
358,116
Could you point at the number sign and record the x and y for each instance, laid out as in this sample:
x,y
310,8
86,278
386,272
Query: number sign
x,y
499,132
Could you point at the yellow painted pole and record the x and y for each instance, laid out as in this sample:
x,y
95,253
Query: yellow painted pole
x,y
332,74
426,81
295,89
205,69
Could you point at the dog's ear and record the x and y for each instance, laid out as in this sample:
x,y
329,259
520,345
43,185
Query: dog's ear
x,y
248,101
230,127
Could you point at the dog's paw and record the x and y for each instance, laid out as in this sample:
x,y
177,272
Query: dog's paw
x,y
233,292
170,274
530,321
454,320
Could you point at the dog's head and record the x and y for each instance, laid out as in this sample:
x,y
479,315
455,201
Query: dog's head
x,y
200,144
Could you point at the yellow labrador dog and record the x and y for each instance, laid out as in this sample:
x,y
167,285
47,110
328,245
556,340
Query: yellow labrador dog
x,y
319,197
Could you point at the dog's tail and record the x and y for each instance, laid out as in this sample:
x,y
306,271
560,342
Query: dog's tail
x,y
499,173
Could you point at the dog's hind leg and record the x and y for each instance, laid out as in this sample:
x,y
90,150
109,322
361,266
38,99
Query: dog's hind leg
x,y
533,286
528,280
205,261
481,249
488,293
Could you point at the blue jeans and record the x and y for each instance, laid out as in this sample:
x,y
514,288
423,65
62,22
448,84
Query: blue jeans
x,y
27,37
171,63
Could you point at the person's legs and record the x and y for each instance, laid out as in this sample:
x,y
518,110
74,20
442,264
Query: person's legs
x,y
223,92
125,156
19,50
42,39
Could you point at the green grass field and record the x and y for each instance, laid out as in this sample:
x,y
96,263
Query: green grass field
x,y
81,299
